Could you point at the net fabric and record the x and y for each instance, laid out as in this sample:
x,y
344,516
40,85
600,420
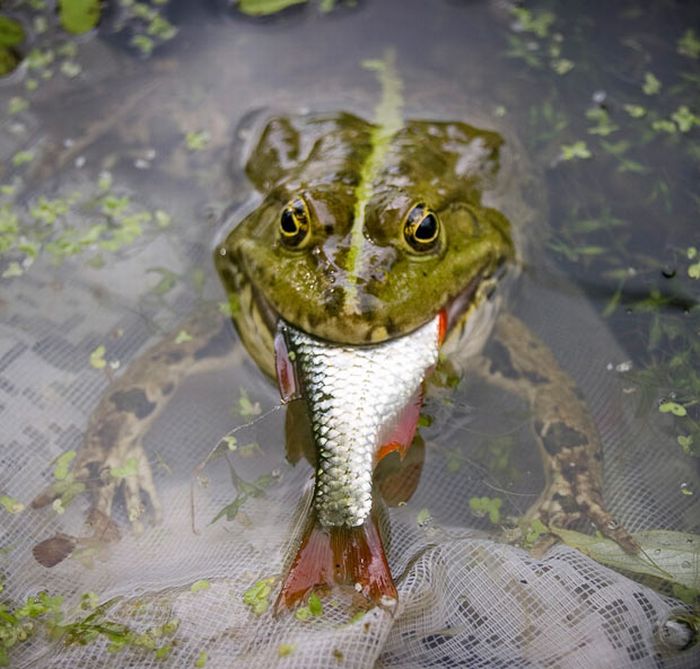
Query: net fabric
x,y
465,598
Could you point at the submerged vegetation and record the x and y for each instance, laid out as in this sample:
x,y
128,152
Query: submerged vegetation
x,y
44,614
643,139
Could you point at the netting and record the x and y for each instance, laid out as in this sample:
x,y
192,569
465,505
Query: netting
x,y
466,597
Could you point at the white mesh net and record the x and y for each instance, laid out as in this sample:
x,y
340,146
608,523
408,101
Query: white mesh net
x,y
465,599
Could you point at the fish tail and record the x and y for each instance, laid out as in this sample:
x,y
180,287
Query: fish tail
x,y
338,555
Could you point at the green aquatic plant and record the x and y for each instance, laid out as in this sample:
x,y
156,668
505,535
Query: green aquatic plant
x,y
487,506
11,37
79,16
269,7
97,219
257,597
266,7
44,614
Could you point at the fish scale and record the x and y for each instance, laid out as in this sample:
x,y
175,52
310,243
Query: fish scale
x,y
355,396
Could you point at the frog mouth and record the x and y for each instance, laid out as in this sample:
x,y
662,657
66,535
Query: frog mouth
x,y
456,308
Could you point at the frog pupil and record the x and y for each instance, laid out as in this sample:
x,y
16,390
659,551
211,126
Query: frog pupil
x,y
426,229
288,222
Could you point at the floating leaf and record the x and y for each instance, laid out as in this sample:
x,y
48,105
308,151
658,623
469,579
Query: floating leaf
x,y
562,65
22,158
182,337
60,470
671,556
423,518
689,44
575,151
651,84
257,596
199,586
315,605
536,23
672,407
11,32
285,649
635,111
246,408
11,505
97,358
685,442
197,141
694,271
685,119
482,506
129,468
664,125
79,16
265,7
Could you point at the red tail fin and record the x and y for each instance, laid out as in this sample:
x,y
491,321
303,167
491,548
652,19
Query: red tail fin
x,y
342,555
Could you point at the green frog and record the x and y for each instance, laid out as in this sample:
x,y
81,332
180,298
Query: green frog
x,y
366,231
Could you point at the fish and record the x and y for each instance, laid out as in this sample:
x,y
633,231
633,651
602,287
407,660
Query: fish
x,y
363,403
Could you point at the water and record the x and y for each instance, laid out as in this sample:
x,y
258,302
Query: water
x,y
117,172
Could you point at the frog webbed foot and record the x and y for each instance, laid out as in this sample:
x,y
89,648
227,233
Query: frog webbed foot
x,y
129,473
124,471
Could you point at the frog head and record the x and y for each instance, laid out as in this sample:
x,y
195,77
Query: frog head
x,y
358,244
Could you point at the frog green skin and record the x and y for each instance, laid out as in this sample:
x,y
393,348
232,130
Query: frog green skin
x,y
358,246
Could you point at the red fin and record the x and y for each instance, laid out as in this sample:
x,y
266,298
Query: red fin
x,y
401,436
341,555
396,479
442,327
286,372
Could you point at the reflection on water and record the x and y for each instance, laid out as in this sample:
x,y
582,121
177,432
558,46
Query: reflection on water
x,y
118,168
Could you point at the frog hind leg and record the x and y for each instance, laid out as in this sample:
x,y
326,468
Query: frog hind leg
x,y
518,361
112,458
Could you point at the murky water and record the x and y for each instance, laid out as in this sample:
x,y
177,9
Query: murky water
x,y
121,168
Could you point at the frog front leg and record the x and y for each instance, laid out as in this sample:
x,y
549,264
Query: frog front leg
x,y
518,361
112,457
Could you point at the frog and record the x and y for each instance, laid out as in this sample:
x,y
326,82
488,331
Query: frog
x,y
364,231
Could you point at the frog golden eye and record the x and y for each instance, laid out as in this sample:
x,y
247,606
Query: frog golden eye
x,y
422,228
294,223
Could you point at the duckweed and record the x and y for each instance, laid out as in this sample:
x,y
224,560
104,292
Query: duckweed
x,y
199,586
487,506
257,597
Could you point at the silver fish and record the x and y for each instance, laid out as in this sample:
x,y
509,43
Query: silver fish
x,y
363,403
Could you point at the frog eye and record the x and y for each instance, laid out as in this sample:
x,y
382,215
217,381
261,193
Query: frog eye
x,y
294,223
422,228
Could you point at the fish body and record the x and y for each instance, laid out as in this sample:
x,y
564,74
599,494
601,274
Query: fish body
x,y
363,403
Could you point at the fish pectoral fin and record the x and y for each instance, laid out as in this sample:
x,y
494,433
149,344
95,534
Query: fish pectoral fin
x,y
298,434
338,555
399,438
397,479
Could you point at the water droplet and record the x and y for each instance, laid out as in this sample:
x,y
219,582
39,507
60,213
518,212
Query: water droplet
x,y
668,272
